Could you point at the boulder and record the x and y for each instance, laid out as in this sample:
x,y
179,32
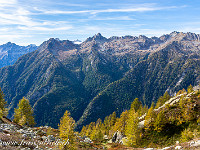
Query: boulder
x,y
124,141
44,138
197,143
167,148
178,147
105,137
24,136
117,137
110,141
87,140
51,138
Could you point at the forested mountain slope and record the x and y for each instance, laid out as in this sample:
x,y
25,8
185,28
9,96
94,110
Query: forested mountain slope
x,y
100,75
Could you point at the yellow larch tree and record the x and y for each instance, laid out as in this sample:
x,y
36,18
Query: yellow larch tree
x,y
24,113
3,103
66,132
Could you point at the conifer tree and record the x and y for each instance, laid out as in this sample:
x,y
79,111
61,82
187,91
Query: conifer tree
x,y
83,131
132,130
66,129
113,119
24,113
198,121
190,89
159,121
149,117
109,122
136,104
162,99
90,128
106,125
166,97
2,104
181,102
97,134
121,122
181,92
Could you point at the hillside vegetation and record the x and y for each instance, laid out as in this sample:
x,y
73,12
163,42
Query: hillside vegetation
x,y
101,75
174,119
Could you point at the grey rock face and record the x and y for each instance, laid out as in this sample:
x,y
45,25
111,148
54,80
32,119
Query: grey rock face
x,y
117,137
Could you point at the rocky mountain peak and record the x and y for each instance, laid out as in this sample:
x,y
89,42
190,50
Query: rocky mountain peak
x,y
174,33
192,36
52,45
58,47
9,44
97,37
142,37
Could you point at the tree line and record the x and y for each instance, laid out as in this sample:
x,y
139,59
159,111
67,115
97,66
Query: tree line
x,y
161,125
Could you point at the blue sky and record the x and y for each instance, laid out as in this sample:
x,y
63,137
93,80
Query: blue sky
x,y
34,21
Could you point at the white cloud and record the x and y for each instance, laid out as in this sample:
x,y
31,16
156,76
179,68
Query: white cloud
x,y
7,2
4,29
114,18
136,9
21,18
23,21
45,28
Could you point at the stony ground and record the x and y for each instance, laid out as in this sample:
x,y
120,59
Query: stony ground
x,y
46,138
13,138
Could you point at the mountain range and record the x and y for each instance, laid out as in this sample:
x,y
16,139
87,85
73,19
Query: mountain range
x,y
101,75
10,52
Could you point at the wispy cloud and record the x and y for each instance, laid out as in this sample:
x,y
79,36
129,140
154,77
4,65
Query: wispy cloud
x,y
4,3
17,15
113,18
44,29
137,9
33,21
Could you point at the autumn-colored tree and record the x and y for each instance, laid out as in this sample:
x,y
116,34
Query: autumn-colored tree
x,y
89,129
24,113
49,131
136,104
160,121
186,135
132,130
142,110
189,112
83,131
66,132
181,102
162,100
106,126
121,122
198,120
3,103
149,118
96,133
181,92
190,89
109,123
113,119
